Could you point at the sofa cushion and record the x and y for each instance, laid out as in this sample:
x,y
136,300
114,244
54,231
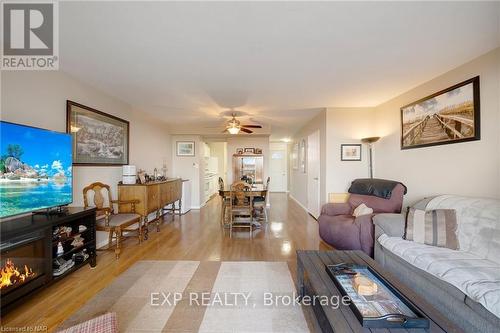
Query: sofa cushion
x,y
379,205
476,277
362,210
381,188
478,224
436,227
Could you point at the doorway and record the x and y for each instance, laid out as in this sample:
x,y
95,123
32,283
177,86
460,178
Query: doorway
x,y
313,174
278,167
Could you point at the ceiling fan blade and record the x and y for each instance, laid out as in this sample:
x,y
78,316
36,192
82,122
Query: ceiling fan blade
x,y
245,130
252,126
224,131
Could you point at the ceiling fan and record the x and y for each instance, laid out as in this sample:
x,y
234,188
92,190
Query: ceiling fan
x,y
234,126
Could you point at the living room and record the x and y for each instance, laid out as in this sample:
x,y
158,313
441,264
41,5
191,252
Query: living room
x,y
221,166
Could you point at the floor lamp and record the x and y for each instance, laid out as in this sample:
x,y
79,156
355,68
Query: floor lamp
x,y
370,141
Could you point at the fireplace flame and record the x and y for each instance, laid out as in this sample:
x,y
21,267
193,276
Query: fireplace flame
x,y
11,275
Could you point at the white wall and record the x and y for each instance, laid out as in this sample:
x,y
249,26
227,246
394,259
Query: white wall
x,y
298,179
38,98
191,168
344,126
234,142
470,168
337,126
219,150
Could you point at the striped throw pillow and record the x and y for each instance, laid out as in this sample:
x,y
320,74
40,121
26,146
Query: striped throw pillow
x,y
433,227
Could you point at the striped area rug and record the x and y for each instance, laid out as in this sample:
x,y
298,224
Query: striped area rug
x,y
192,296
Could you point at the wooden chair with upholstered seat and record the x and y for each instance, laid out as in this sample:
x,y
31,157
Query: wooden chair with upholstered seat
x,y
224,204
260,203
107,220
240,208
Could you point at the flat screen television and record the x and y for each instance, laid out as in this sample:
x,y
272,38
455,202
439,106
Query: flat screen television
x,y
35,169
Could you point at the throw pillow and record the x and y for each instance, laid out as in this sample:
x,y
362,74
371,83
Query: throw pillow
x,y
362,210
433,227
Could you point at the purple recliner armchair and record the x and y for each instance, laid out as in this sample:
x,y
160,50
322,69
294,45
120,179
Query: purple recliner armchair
x,y
340,229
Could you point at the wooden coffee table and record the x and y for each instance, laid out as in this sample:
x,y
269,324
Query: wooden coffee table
x,y
312,279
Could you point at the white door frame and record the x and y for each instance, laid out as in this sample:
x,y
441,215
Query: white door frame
x,y
283,148
314,174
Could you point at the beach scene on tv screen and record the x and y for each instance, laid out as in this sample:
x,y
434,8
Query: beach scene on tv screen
x,y
35,169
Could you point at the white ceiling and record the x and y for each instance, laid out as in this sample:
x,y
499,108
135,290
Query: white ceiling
x,y
185,62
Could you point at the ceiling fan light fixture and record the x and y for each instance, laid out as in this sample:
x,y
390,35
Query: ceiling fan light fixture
x,y
233,130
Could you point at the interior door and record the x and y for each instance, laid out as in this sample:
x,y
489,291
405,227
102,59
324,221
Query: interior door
x,y
278,168
313,174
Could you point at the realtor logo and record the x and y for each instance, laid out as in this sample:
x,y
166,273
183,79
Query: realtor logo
x,y
30,36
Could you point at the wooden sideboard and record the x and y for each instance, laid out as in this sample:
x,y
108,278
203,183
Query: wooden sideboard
x,y
153,197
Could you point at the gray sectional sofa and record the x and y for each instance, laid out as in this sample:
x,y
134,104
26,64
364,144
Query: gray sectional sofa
x,y
463,284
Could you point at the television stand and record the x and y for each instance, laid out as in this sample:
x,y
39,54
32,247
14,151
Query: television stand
x,y
51,245
57,211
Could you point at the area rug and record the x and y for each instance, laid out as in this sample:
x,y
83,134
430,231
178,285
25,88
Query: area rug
x,y
192,296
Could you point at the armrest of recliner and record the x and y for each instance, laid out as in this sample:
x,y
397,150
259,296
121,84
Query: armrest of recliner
x,y
393,225
333,209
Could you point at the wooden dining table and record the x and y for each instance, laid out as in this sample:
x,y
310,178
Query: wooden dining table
x,y
255,190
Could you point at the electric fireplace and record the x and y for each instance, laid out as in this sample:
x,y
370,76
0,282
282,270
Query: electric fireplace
x,y
28,252
24,265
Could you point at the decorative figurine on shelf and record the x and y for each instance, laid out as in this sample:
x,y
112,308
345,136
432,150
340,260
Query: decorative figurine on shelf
x,y
164,170
60,249
155,174
77,241
141,174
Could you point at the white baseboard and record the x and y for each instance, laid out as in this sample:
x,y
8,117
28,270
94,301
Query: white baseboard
x,y
298,202
101,239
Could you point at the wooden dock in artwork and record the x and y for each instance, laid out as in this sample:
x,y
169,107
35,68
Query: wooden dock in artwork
x,y
442,126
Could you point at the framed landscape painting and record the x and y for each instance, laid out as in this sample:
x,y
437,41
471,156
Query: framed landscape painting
x,y
448,116
185,148
98,138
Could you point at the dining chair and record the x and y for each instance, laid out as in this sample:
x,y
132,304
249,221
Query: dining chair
x,y
115,224
240,208
260,202
225,202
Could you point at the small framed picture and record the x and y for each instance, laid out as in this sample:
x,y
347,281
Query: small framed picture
x,y
249,150
350,152
185,148
257,151
302,155
239,151
295,156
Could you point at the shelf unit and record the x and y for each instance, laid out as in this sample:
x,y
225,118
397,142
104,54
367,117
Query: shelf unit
x,y
21,230
249,165
88,235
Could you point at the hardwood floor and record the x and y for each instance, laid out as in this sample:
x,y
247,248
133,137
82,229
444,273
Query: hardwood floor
x,y
194,236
